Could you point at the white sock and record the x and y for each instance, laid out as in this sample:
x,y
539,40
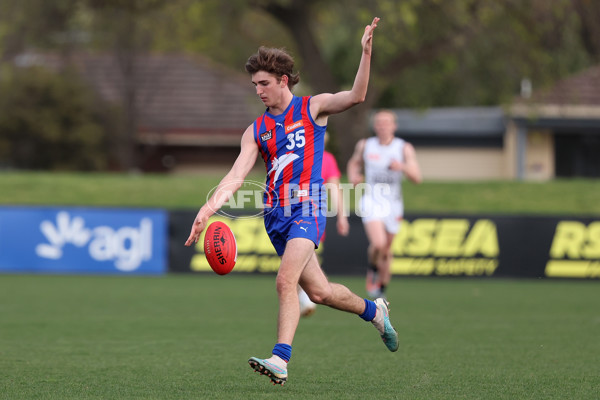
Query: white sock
x,y
378,321
304,299
276,360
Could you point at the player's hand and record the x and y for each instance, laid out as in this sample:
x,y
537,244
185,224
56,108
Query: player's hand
x,y
396,165
197,228
343,227
367,39
355,179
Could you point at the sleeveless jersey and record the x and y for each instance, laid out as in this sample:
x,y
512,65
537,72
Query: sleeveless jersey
x,y
291,145
377,159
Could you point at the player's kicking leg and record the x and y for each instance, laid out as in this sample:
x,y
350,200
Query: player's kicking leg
x,y
321,291
315,283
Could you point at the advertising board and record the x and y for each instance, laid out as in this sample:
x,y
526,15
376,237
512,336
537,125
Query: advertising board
x,y
427,245
83,240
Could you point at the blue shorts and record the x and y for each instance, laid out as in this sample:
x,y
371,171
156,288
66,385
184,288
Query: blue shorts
x,y
304,220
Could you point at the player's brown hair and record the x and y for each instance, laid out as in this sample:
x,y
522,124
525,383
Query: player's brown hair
x,y
273,61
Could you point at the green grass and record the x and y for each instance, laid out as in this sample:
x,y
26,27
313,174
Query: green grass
x,y
189,337
567,197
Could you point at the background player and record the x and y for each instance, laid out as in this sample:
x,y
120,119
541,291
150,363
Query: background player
x,y
386,160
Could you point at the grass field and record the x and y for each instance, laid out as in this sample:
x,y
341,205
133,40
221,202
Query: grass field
x,y
189,337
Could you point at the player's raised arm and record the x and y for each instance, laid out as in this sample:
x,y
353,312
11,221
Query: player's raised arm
x,y
228,185
325,104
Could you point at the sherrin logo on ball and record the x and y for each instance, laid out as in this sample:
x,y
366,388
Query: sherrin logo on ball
x,y
220,247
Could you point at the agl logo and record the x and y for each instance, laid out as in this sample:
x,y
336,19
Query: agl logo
x,y
127,246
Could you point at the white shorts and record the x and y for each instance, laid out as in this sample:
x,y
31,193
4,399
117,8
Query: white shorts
x,y
388,210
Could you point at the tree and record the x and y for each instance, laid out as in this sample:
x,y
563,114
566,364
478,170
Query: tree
x,y
430,53
411,33
589,15
119,25
37,23
50,121
427,52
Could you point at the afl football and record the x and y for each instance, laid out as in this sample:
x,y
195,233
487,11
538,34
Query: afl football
x,y
220,247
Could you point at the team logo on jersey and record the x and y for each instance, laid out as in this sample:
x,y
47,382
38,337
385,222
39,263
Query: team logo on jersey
x,y
299,193
266,135
302,222
293,126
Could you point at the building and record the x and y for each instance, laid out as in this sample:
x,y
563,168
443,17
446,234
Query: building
x,y
557,131
189,112
553,134
450,142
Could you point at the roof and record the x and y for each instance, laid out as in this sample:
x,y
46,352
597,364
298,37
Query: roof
x,y
179,95
573,102
454,121
579,89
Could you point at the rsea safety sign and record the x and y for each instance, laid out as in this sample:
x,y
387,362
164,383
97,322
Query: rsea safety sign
x,y
426,245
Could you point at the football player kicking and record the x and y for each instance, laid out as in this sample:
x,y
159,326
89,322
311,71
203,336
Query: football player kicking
x,y
290,138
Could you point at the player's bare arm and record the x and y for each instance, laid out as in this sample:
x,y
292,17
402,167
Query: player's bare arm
x,y
325,104
228,185
410,166
355,164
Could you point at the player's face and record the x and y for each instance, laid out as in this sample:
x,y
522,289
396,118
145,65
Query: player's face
x,y
268,87
384,125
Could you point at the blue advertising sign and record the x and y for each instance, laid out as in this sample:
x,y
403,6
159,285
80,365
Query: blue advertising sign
x,y
83,240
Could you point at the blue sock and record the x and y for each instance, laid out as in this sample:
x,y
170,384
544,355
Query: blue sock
x,y
370,310
284,351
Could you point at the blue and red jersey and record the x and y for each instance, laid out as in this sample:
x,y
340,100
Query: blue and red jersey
x,y
291,145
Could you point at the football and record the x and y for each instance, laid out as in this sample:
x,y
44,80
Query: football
x,y
220,247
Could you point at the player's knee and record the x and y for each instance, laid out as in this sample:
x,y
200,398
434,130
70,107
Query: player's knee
x,y
387,252
285,285
380,248
321,296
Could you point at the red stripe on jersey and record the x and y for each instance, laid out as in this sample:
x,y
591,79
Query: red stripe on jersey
x,y
264,154
271,143
272,153
315,212
309,147
288,171
257,132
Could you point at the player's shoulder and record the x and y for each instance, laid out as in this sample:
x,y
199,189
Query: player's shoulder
x,y
319,97
362,143
249,130
249,135
317,100
359,148
408,148
370,142
406,144
302,100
